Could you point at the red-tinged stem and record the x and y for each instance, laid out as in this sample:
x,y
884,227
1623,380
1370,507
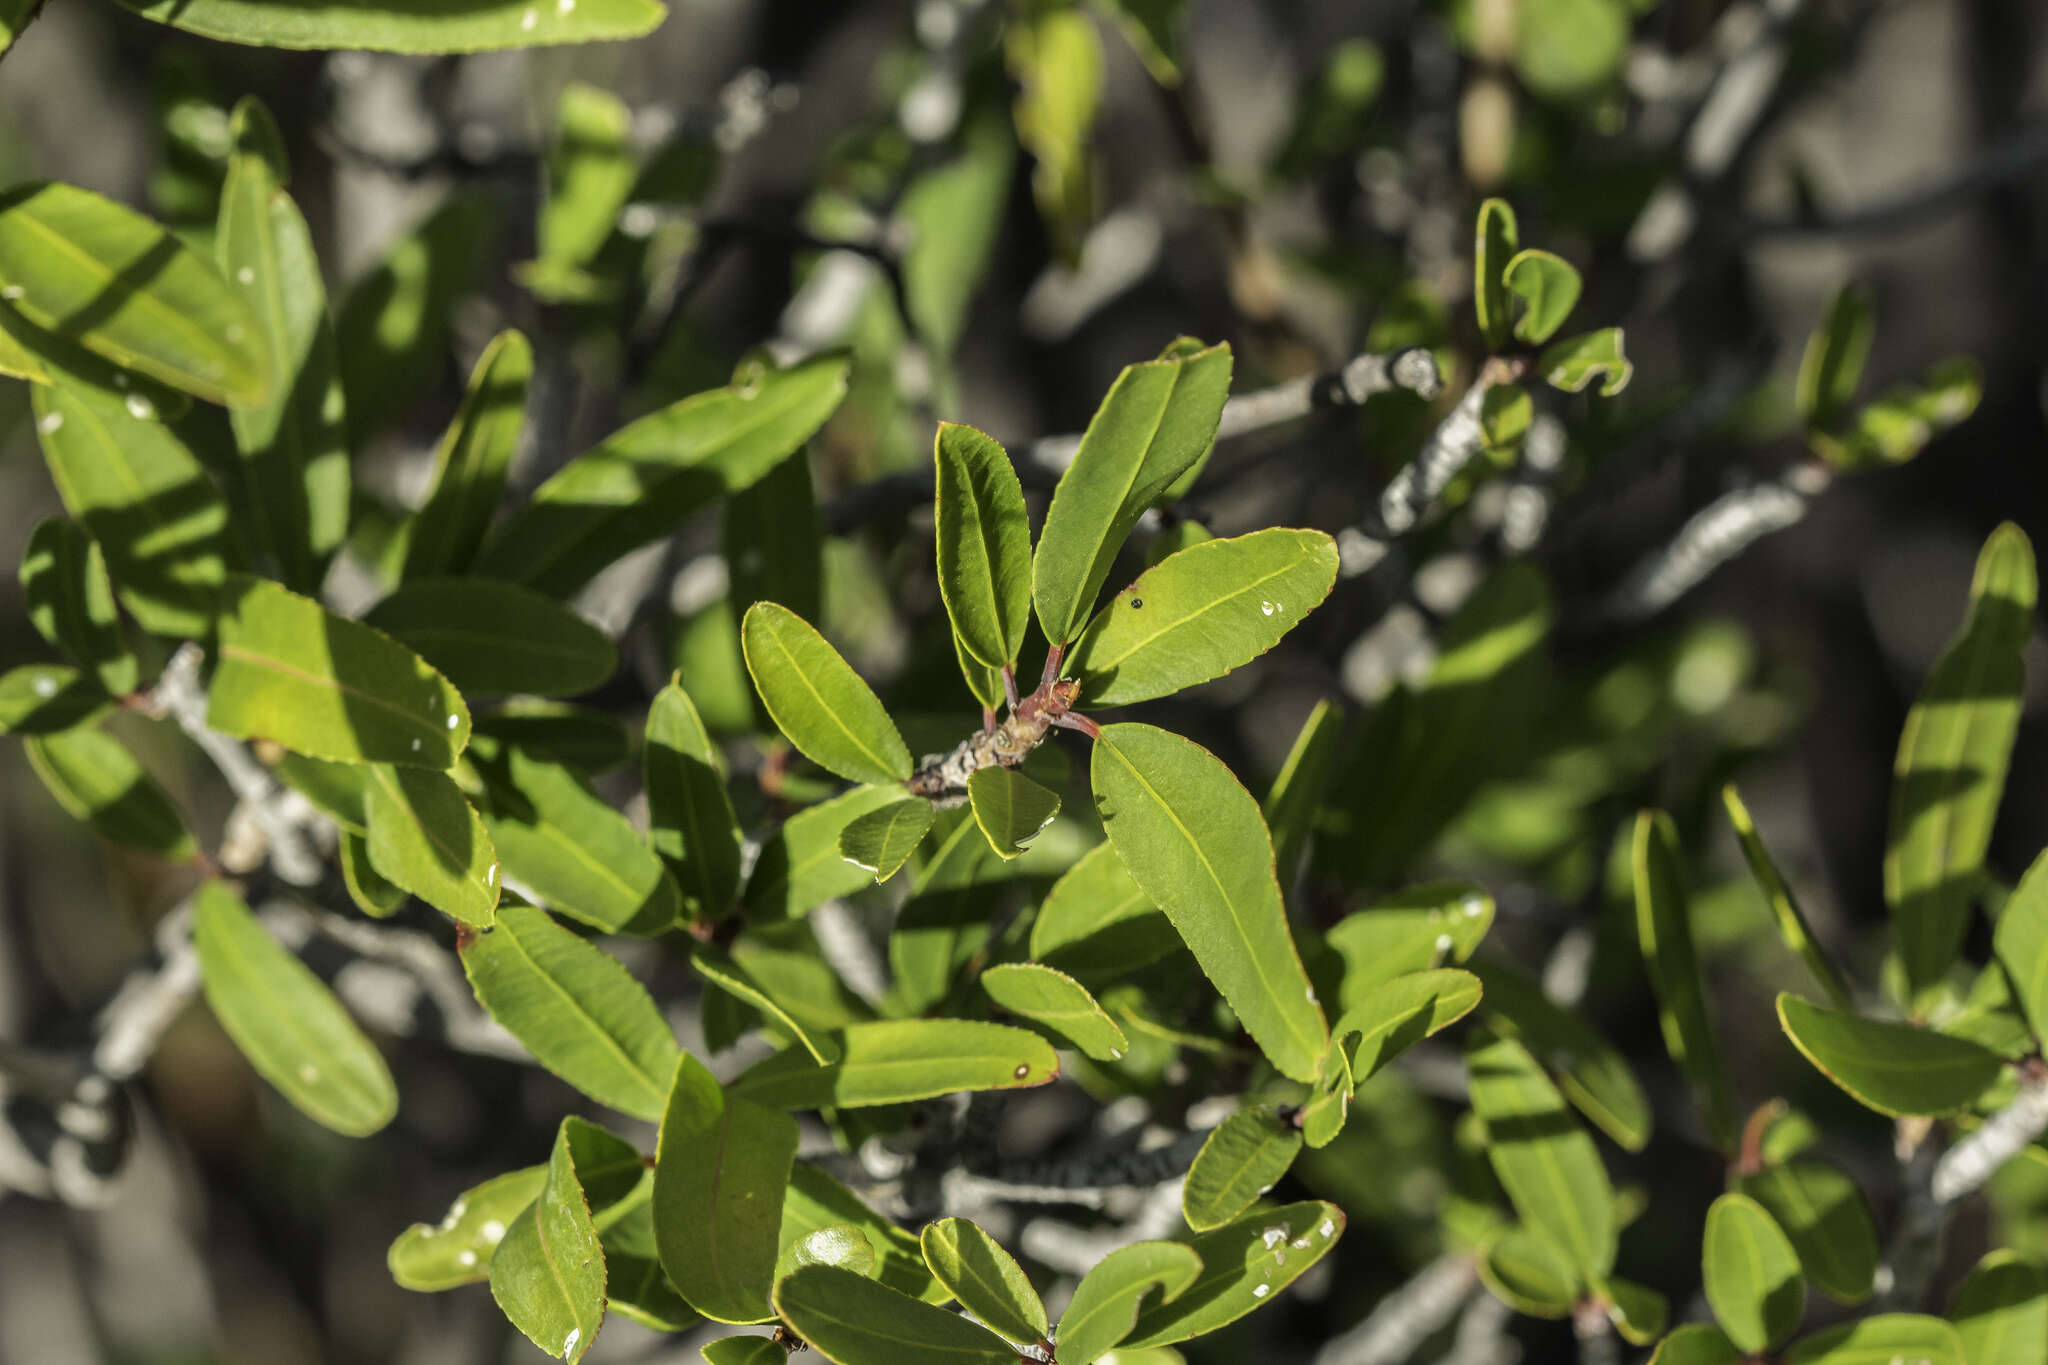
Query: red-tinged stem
x,y
1051,675
1073,720
1009,690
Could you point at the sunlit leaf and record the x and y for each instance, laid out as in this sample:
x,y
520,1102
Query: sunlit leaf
x,y
549,1271
496,638
423,835
1751,1273
1243,1265
1545,1161
1664,929
984,544
1010,808
472,462
853,1320
1106,1303
816,698
1056,1001
883,840
690,819
1893,1068
458,1249
898,1060
1820,1209
985,1278
96,779
1242,1159
408,26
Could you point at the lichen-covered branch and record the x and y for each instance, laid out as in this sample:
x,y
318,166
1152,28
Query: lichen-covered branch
x,y
1407,1317
1717,533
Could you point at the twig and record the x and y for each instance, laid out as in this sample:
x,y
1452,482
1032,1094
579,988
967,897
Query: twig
x,y
1407,1317
1076,1250
1971,1162
849,951
1597,1343
1714,535
1482,1337
2007,159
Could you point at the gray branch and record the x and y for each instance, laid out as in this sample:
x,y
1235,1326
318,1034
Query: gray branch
x,y
1404,1319
1967,1165
1717,533
1414,492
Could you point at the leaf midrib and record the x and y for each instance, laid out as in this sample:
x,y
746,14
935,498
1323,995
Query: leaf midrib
x,y
577,1008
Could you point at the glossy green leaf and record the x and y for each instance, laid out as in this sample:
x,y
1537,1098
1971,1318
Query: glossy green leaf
x,y
1570,50
883,840
2001,1312
800,867
1242,1159
718,1186
1055,56
96,779
899,1060
101,275
141,494
690,819
985,1278
956,211
1575,362
473,460
1896,1069
1638,1312
818,701
496,638
984,544
1832,367
43,699
1202,613
70,602
1592,1074
1494,244
726,972
408,26
852,1320
1823,1213
286,1022
1096,921
1897,424
2021,941
1951,763
1420,927
1010,808
1157,420
1106,1303
424,836
1291,802
578,737
1697,1343
294,445
458,1250
635,1283
1505,414
1243,1265
1544,1160
321,684
568,845
574,1008
840,1244
338,789
774,539
393,328
641,481
744,1351
1879,1340
1792,925
549,1272
1528,1274
372,894
1664,929
1193,839
1751,1273
1401,1013
1056,1001
814,1200
590,173
1548,288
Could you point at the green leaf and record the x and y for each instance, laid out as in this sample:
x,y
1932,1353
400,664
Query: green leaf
x,y
883,840
1751,1273
1106,1303
1202,613
1096,920
853,1320
1495,242
574,1008
1056,1001
1880,1340
1527,1273
643,479
321,684
1192,839
773,539
1897,425
101,275
590,173
1011,809
43,699
95,779
1548,288
1832,367
985,1278
572,849
1664,929
1505,412
1591,1073
496,638
899,1060
2021,942
1290,805
816,698
423,836
1952,760
577,737
1157,420
1792,925
800,867
1638,1312
1401,1013
1243,1265
1576,362
1568,50
458,1250
338,789
473,460
372,895
956,211
635,1283
984,544
393,328
1544,1160
744,1351
1896,1069
719,1178
1243,1158
1823,1213
294,446
142,495
2001,1312
723,970
1697,1343
70,602
1412,930
690,819
1055,57
408,26
549,1273
286,1022
814,1200
840,1244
